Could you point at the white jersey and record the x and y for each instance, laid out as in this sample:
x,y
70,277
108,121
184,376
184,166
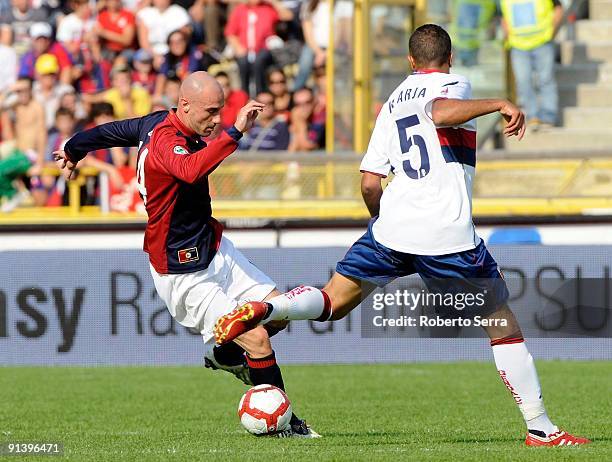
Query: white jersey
x,y
427,208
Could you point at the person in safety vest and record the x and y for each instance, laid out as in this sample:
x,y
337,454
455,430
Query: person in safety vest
x,y
530,27
471,18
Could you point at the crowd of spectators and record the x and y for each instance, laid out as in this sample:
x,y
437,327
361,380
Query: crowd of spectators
x,y
70,65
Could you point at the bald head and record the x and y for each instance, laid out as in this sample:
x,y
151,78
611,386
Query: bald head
x,y
200,102
199,84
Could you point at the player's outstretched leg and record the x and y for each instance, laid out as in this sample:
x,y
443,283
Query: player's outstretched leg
x,y
264,369
517,370
300,303
240,320
336,300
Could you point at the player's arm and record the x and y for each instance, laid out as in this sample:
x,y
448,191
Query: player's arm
x,y
371,190
192,167
123,133
376,165
452,112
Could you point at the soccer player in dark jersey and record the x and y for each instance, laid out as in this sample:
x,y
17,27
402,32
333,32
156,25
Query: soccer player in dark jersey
x,y
198,273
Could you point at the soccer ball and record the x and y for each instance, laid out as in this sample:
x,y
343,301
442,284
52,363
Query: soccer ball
x,y
265,409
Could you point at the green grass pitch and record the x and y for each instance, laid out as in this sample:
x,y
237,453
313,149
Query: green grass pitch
x,y
458,411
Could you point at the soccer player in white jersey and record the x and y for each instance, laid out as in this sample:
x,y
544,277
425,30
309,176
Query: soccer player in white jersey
x,y
422,223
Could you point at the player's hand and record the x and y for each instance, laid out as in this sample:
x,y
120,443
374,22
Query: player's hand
x,y
247,115
63,163
515,120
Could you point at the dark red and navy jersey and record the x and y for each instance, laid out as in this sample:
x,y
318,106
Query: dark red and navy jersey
x,y
173,168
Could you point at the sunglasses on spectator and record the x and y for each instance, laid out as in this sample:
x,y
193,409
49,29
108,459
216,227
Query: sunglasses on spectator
x,y
274,82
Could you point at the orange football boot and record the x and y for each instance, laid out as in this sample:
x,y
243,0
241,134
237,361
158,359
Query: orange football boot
x,y
239,321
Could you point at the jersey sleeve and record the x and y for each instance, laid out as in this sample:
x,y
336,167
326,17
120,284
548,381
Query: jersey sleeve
x,y
123,133
376,159
453,87
174,155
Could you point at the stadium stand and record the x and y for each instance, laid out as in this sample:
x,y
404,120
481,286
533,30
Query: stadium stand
x,y
93,61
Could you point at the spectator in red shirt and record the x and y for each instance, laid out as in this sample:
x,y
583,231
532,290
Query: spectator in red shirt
x,y
248,27
42,42
234,100
115,28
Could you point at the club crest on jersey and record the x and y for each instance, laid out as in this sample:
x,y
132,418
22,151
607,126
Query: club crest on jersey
x,y
180,150
188,255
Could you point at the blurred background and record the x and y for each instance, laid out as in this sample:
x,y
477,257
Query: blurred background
x,y
73,274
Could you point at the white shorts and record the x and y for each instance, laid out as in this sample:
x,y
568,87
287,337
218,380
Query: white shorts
x,y
198,299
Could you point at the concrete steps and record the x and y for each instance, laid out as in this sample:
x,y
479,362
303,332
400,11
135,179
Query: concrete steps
x,y
583,53
585,95
588,31
600,9
573,74
562,139
586,118
585,90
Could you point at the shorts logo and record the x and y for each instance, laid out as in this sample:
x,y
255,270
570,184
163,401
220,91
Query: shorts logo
x,y
180,150
188,255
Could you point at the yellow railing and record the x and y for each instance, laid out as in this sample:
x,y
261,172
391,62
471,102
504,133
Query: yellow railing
x,y
363,61
74,186
319,187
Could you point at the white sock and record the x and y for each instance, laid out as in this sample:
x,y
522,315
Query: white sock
x,y
517,371
303,302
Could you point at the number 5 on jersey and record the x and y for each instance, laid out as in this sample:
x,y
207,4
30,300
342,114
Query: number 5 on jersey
x,y
406,143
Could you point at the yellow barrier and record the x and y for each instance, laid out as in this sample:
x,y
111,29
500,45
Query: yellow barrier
x,y
315,187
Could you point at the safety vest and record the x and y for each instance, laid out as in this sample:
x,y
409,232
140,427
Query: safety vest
x,y
470,20
530,22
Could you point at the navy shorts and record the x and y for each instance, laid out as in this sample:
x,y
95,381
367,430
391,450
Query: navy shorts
x,y
472,271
